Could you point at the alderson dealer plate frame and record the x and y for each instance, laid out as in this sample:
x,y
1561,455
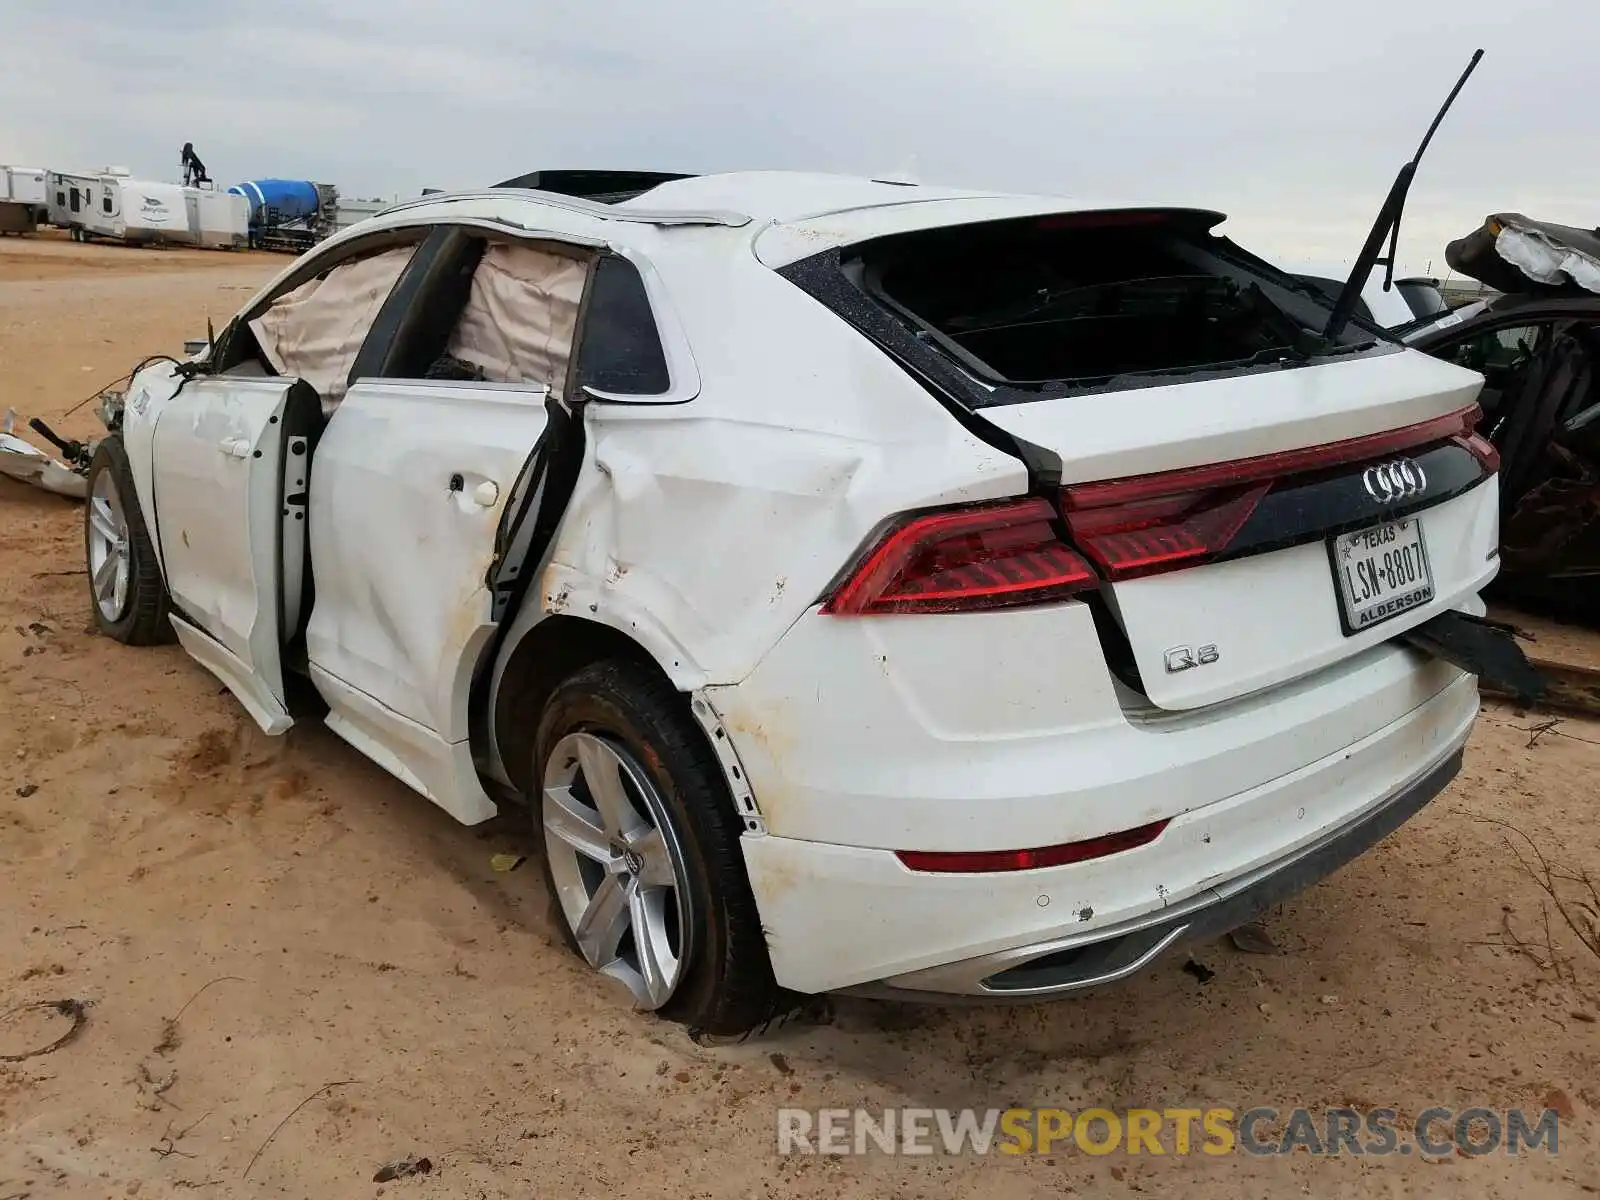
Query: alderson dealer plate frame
x,y
1347,550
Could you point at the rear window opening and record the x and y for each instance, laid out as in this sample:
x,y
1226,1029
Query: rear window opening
x,y
1096,299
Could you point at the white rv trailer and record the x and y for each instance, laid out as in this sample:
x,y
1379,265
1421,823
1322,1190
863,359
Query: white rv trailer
x,y
137,211
22,199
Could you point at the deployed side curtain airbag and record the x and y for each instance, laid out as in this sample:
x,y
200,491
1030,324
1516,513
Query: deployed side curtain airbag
x,y
314,332
520,317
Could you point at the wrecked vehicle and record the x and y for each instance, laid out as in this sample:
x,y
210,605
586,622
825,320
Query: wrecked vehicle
x,y
1536,345
867,587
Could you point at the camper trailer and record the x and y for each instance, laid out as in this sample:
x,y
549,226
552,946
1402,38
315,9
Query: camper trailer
x,y
22,199
141,212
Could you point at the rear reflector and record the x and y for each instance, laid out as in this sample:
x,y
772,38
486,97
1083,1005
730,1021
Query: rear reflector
x,y
964,559
973,862
1148,524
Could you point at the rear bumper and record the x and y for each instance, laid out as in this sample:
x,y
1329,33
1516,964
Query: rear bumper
x,y
1070,964
842,916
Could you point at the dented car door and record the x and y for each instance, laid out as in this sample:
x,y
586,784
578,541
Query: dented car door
x,y
419,482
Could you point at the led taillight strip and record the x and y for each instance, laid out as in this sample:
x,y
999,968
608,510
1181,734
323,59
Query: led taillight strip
x,y
1153,524
1458,425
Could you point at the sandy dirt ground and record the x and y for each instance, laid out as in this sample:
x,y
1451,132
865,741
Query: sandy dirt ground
x,y
296,970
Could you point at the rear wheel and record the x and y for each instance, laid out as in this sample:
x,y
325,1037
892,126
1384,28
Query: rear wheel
x,y
642,851
126,591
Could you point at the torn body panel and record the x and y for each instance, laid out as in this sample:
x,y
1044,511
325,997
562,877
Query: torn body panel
x,y
28,464
768,494
1513,254
703,531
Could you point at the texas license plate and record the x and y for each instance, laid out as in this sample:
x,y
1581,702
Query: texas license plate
x,y
1380,572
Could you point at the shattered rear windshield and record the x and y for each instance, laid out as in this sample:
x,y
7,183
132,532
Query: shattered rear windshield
x,y
1036,302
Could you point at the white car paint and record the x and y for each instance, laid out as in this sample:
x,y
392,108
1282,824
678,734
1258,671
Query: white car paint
x,y
222,560
706,527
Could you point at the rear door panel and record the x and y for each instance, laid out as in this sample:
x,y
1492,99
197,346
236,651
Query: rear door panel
x,y
412,480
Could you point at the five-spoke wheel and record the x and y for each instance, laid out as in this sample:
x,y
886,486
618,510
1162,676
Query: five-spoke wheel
x,y
617,867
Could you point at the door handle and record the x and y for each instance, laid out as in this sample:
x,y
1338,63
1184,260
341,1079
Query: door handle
x,y
235,447
485,494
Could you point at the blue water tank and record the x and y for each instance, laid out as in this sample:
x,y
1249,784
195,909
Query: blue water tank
x,y
293,198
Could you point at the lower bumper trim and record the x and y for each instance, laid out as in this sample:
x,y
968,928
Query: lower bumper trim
x,y
1040,972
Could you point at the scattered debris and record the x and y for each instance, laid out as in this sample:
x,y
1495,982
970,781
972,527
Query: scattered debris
x,y
28,464
171,1036
260,1150
170,1140
154,1088
403,1168
1537,731
1199,970
75,1011
1562,1103
23,461
507,862
1330,998
1572,891
1570,688
27,790
1253,939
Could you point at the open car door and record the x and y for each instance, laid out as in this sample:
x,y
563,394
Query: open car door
x,y
230,461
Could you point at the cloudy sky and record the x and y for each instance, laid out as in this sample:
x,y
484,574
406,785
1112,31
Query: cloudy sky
x,y
1290,115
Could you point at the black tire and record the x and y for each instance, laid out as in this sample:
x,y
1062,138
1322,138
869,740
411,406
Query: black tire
x,y
727,988
142,620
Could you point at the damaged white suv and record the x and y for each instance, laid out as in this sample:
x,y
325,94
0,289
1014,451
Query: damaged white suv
x,y
868,587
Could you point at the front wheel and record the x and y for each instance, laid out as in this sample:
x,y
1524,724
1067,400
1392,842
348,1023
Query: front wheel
x,y
642,853
125,586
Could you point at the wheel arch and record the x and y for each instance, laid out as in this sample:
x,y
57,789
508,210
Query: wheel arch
x,y
546,651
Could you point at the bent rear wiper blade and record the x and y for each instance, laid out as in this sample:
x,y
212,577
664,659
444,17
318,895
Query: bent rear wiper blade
x,y
1388,222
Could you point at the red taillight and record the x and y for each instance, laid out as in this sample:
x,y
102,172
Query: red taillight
x,y
981,557
1153,523
1481,449
971,862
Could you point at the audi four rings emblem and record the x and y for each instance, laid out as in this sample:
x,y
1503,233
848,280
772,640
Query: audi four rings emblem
x,y
1397,480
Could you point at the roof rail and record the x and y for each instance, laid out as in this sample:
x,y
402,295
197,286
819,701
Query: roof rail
x,y
591,208
605,187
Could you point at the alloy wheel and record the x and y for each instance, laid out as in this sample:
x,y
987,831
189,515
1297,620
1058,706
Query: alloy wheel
x,y
617,866
110,562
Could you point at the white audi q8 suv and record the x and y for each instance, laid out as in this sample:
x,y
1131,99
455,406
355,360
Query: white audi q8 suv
x,y
865,587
